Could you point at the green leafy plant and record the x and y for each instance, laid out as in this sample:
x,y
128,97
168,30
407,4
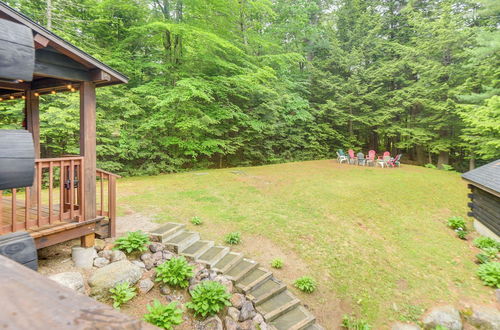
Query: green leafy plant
x,y
440,327
196,221
163,316
233,238
122,293
277,263
446,167
353,323
176,272
410,313
462,234
456,223
489,273
430,165
306,284
484,242
132,241
209,298
488,254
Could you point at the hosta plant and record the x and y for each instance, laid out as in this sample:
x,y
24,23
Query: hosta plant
x,y
209,298
462,234
233,238
306,284
163,316
122,293
277,263
352,323
456,223
132,241
489,273
484,242
487,255
196,221
175,272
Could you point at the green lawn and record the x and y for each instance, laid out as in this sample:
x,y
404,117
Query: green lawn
x,y
375,239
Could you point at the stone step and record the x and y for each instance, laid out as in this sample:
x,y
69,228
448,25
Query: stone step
x,y
213,255
297,318
266,290
278,305
240,269
181,240
253,279
314,326
227,262
197,249
166,230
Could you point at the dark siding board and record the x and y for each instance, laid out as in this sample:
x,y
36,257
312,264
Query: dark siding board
x,y
20,247
486,209
17,159
17,52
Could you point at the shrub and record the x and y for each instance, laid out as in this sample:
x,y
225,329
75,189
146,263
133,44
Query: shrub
x,y
352,323
122,293
233,238
484,242
462,234
488,254
446,167
489,273
456,223
306,284
175,272
430,166
163,316
132,241
277,263
440,327
196,221
209,298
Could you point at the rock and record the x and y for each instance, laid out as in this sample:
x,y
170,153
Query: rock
x,y
202,274
247,325
258,318
110,275
225,281
230,324
149,263
83,257
167,255
100,262
484,317
263,326
99,244
72,280
247,311
139,263
233,313
155,247
405,326
149,274
447,316
157,255
117,255
145,256
198,267
145,285
212,275
212,323
105,254
237,300
165,290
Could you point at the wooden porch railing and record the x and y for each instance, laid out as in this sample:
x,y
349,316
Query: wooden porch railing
x,y
56,197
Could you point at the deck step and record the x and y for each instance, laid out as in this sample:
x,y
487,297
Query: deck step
x,y
266,290
181,240
227,262
253,279
278,305
297,318
166,230
240,269
196,249
213,255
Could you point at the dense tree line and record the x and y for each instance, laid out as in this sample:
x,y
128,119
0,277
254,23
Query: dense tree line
x,y
217,83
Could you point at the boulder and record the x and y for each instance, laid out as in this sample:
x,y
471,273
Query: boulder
x,y
484,317
225,281
405,326
247,325
447,316
230,324
110,275
100,262
149,263
145,285
167,255
105,254
139,263
212,323
72,280
99,244
146,256
165,290
237,300
263,326
83,257
258,318
117,255
233,313
155,247
247,311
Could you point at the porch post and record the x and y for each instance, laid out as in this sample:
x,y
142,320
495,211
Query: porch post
x,y
88,146
32,106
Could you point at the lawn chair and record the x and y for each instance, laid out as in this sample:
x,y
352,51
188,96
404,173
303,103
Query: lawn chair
x,y
361,159
352,157
370,159
384,161
341,157
396,161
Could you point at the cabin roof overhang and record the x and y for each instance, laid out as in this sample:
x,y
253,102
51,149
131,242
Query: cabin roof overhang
x,y
486,177
57,63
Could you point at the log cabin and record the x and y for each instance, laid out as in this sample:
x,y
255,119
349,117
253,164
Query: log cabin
x,y
484,183
69,197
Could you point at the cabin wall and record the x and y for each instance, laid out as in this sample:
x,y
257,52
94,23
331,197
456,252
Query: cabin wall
x,y
485,208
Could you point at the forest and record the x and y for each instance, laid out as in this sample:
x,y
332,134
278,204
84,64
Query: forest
x,y
220,83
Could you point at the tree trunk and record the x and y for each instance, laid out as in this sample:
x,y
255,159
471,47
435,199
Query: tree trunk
x,y
472,163
420,155
443,158
49,14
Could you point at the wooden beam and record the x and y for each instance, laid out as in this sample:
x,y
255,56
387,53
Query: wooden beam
x,y
99,75
32,106
88,240
88,146
40,41
17,86
62,72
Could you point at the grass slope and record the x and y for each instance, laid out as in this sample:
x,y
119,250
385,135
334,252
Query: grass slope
x,y
375,239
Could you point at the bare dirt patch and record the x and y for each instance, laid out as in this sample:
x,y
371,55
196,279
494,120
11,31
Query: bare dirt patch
x,y
134,222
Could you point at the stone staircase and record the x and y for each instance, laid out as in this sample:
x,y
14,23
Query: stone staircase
x,y
280,308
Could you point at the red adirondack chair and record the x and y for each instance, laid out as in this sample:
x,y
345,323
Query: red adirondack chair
x,y
352,156
370,159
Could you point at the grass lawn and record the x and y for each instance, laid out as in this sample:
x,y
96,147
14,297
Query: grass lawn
x,y
375,239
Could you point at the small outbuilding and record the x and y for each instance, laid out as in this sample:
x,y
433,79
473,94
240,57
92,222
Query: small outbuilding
x,y
484,183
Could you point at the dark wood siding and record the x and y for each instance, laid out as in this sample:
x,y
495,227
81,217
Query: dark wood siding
x,y
485,207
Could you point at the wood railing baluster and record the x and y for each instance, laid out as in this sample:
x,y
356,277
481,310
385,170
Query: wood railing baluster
x,y
14,209
71,188
1,211
101,180
51,178
27,206
39,194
